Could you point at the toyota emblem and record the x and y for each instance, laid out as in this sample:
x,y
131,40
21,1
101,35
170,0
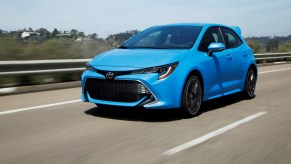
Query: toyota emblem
x,y
109,75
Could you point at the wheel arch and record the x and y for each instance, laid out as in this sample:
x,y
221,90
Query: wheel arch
x,y
252,66
201,80
245,90
189,112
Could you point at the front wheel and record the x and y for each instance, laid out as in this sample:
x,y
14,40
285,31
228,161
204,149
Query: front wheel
x,y
192,96
250,84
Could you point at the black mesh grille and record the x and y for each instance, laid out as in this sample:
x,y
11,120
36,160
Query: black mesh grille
x,y
116,90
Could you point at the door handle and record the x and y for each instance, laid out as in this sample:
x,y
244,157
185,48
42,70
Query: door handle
x,y
245,54
229,58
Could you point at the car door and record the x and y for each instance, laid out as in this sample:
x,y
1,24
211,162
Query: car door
x,y
219,64
238,55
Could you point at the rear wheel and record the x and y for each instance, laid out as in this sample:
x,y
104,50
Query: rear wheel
x,y
250,84
192,96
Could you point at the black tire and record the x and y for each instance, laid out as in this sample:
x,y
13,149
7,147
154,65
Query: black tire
x,y
250,84
192,96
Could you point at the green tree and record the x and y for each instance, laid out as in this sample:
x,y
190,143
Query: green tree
x,y
43,32
74,32
94,36
81,34
285,47
118,39
272,46
255,45
55,32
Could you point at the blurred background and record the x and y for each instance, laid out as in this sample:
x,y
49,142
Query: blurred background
x,y
50,29
45,44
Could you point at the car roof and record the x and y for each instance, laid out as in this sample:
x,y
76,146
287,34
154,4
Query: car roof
x,y
235,28
192,24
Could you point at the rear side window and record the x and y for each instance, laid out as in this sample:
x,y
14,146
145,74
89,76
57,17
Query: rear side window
x,y
231,39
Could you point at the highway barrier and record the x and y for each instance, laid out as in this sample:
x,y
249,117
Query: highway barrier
x,y
22,70
33,67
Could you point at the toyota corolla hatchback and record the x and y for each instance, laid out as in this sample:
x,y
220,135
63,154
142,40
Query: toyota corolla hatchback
x,y
172,66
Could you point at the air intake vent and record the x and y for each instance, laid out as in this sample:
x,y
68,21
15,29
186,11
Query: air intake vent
x,y
116,90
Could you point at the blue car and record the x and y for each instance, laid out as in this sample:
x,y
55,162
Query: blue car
x,y
172,66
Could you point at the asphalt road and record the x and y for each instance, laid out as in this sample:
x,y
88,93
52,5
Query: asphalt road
x,y
48,127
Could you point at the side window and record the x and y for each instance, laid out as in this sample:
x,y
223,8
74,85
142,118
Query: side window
x,y
210,36
231,38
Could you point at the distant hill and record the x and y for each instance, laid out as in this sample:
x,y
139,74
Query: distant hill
x,y
117,39
270,44
62,48
42,44
258,44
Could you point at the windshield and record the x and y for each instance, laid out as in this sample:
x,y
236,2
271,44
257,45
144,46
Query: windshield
x,y
165,37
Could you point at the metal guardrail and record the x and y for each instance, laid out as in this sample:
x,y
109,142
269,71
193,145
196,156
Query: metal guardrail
x,y
271,56
36,67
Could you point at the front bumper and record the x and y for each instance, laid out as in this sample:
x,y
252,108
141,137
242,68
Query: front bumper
x,y
155,94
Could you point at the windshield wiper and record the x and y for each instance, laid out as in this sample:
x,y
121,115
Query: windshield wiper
x,y
123,47
146,47
149,47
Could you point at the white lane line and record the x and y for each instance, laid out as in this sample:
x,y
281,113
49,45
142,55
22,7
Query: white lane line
x,y
274,70
8,90
38,107
211,134
280,62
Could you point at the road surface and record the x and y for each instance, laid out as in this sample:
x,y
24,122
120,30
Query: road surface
x,y
56,127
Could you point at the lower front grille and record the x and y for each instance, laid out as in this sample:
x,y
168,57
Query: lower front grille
x,y
116,90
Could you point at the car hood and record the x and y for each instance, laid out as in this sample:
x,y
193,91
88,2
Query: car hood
x,y
137,58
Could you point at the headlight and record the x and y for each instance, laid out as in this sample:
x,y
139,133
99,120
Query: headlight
x,y
163,71
89,67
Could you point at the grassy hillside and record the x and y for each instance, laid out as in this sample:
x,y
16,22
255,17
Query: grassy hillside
x,y
75,45
269,44
62,48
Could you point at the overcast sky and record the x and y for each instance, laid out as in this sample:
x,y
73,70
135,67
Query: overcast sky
x,y
255,17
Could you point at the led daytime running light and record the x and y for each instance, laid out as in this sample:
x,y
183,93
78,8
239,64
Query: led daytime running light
x,y
169,71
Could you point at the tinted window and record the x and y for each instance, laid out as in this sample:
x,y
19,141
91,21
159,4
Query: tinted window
x,y
211,35
231,38
165,37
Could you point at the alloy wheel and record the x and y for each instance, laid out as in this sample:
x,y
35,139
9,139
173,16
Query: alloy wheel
x,y
192,96
250,85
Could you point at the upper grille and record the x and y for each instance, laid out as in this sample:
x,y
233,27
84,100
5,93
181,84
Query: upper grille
x,y
116,90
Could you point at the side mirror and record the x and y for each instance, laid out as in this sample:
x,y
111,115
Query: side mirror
x,y
215,47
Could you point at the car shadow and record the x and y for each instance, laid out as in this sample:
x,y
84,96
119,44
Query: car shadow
x,y
159,115
222,102
136,114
